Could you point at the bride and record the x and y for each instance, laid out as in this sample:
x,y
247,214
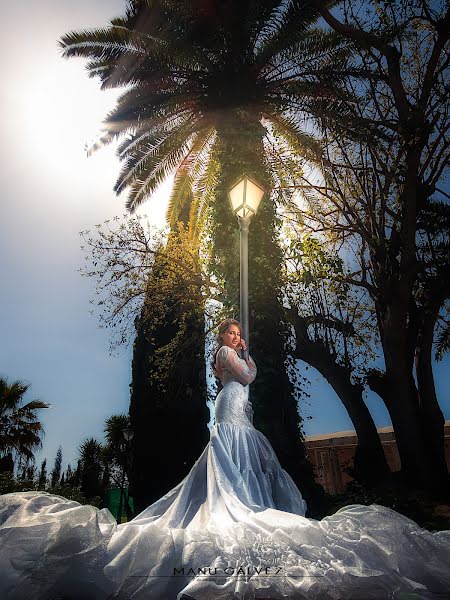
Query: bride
x,y
235,527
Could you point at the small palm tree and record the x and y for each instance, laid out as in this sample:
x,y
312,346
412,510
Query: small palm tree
x,y
117,451
20,430
91,454
114,427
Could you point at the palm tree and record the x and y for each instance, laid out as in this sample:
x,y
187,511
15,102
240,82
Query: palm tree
x,y
118,454
20,430
92,455
114,427
214,90
195,73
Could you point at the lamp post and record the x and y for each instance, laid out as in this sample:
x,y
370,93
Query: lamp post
x,y
245,197
128,436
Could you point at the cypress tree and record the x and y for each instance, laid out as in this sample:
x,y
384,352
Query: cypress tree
x,y
168,410
56,472
42,482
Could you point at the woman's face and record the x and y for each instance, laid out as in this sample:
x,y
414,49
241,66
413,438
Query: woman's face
x,y
232,337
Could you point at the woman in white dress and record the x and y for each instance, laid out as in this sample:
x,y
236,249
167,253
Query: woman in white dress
x,y
235,527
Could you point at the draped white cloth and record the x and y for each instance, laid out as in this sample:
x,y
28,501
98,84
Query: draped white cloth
x,y
233,528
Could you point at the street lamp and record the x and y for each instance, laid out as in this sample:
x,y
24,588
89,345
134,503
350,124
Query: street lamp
x,y
128,436
245,196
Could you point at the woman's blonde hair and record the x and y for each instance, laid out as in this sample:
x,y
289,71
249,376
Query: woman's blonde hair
x,y
223,327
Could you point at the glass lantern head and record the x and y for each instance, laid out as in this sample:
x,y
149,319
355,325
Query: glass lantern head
x,y
128,434
245,197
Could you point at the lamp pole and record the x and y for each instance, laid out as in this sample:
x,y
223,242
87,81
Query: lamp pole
x,y
245,196
128,436
244,223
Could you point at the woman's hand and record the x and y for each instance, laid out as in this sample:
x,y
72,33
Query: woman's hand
x,y
243,345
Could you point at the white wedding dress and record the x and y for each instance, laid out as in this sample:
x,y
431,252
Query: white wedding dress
x,y
233,528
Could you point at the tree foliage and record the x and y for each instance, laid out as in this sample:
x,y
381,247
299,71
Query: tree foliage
x,y
20,430
334,312
382,173
55,475
137,268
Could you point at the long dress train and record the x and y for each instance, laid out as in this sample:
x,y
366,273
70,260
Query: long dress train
x,y
233,528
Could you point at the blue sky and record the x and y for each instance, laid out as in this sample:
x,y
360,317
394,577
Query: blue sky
x,y
49,192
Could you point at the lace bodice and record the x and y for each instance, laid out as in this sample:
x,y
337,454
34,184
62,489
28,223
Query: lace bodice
x,y
230,367
232,404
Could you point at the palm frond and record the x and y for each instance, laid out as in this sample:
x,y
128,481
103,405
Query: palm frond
x,y
122,53
11,394
203,191
150,129
142,102
157,169
287,25
312,55
153,154
187,173
104,44
442,342
301,142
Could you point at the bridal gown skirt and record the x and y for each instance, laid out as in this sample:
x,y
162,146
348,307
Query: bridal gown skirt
x,y
233,528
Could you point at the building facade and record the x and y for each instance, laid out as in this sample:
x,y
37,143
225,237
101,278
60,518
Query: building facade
x,y
332,453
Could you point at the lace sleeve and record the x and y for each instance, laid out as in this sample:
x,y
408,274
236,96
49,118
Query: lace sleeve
x,y
245,372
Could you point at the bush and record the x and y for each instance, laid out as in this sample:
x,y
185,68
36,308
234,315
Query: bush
x,y
425,510
9,484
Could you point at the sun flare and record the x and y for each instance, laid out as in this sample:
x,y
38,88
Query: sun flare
x,y
62,111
